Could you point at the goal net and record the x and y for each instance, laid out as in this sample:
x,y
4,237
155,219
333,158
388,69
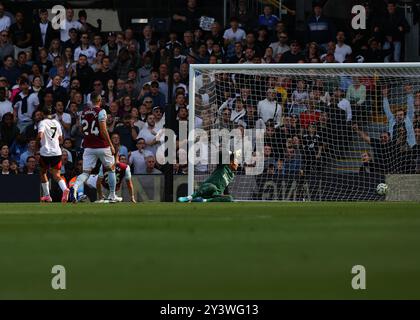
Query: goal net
x,y
310,132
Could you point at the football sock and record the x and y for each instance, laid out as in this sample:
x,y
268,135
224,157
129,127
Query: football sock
x,y
62,185
81,179
45,189
112,183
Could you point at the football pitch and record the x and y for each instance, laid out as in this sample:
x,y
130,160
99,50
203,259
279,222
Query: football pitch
x,y
210,251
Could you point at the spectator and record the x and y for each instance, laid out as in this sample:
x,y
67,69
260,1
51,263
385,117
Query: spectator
x,y
123,64
294,55
281,46
86,26
173,41
356,94
4,152
5,167
110,93
44,64
245,18
368,166
24,105
187,18
58,92
291,168
54,51
312,115
97,90
216,33
8,129
159,114
21,35
111,48
249,56
116,141
150,165
232,35
268,19
393,26
238,56
5,21
263,40
85,49
13,168
158,98
131,90
126,105
342,51
47,101
150,134
21,63
5,104
63,118
30,167
250,43
300,97
273,139
30,151
36,78
402,120
9,70
319,28
44,33
137,159
375,53
6,48
343,104
331,56
31,132
238,113
68,24
383,149
128,132
84,73
312,147
73,41
269,108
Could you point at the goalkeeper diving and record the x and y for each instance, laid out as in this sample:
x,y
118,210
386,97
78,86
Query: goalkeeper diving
x,y
214,187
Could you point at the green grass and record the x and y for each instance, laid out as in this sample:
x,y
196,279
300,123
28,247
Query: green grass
x,y
210,251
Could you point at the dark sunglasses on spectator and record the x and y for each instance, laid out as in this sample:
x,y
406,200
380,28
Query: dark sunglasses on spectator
x,y
97,84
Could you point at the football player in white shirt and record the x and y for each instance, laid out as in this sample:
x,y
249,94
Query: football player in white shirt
x,y
50,136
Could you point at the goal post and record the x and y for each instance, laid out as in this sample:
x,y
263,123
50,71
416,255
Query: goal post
x,y
331,132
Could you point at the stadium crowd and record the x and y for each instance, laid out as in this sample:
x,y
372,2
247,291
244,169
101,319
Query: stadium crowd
x,y
41,66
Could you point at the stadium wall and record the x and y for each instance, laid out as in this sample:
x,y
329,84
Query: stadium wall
x,y
19,188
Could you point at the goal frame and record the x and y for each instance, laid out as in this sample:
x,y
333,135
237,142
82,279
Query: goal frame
x,y
238,67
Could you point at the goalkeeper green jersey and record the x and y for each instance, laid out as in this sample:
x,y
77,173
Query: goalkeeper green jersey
x,y
221,177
